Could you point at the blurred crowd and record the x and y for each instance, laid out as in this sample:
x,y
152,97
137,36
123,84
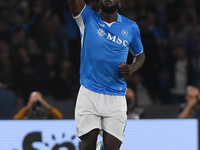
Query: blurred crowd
x,y
40,48
170,33
36,48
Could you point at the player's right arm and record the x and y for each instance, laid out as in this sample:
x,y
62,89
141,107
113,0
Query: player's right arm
x,y
76,6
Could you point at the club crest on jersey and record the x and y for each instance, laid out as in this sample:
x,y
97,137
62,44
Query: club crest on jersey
x,y
124,32
112,38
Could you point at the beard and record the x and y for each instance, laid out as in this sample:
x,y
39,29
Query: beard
x,y
107,9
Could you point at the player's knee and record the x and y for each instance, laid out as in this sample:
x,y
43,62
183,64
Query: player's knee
x,y
88,143
112,146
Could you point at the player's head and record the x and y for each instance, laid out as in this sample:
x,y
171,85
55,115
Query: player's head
x,y
110,6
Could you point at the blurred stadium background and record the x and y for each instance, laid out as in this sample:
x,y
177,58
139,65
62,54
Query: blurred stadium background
x,y
40,48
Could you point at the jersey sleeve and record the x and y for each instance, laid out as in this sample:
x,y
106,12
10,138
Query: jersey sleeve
x,y
84,16
136,46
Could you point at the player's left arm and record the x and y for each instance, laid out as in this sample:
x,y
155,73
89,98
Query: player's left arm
x,y
138,61
136,49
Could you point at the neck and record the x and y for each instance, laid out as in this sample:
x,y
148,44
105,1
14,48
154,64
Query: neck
x,y
108,17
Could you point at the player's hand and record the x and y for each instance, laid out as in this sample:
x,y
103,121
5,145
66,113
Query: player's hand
x,y
124,69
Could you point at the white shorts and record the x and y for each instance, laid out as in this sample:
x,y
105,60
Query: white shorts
x,y
99,111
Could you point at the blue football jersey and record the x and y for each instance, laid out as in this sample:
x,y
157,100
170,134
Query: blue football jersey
x,y
103,48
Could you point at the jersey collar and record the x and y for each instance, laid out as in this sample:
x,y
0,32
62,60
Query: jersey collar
x,y
119,18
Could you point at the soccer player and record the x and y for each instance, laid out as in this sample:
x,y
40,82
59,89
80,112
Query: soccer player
x,y
105,40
